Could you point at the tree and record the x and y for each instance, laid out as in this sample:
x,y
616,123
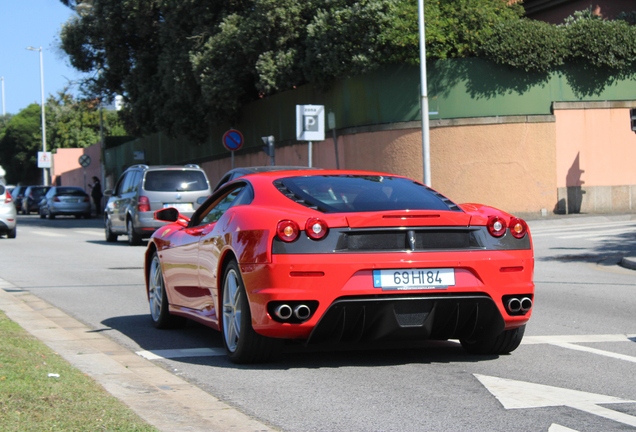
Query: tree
x,y
73,123
20,142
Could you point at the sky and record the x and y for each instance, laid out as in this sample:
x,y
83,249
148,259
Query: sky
x,y
34,23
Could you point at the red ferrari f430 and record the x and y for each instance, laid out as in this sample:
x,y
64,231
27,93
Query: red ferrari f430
x,y
340,256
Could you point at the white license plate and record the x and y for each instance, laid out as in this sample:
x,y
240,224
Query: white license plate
x,y
414,279
72,200
182,207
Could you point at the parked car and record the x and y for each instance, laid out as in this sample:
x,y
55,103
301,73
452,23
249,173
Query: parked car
x,y
242,171
8,213
32,197
65,200
141,190
17,194
341,256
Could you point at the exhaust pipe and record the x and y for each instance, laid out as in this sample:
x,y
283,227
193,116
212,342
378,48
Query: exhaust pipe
x,y
302,312
514,305
526,304
283,311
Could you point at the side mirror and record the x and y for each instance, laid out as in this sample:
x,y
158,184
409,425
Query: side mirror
x,y
108,192
172,215
169,214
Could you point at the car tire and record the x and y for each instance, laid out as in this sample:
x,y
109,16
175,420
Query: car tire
x,y
134,239
51,215
42,215
504,343
242,344
158,299
12,233
87,215
111,237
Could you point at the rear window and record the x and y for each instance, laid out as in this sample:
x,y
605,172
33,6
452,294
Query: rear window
x,y
69,191
352,193
38,192
175,180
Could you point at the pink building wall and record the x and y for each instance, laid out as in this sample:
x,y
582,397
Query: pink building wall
x,y
67,171
596,152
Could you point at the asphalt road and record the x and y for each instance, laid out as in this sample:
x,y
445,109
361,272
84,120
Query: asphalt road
x,y
576,369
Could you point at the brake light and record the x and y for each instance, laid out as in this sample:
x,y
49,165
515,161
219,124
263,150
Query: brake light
x,y
518,227
496,226
86,198
56,199
316,228
144,204
287,230
8,198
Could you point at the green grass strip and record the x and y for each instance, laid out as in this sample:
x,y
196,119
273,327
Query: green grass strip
x,y
31,400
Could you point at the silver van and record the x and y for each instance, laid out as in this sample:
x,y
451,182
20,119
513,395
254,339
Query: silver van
x,y
141,190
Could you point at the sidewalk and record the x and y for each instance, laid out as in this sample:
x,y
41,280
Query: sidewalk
x,y
162,399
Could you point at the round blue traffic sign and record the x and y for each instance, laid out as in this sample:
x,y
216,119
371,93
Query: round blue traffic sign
x,y
232,140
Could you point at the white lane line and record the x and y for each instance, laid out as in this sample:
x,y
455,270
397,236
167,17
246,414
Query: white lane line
x,y
90,232
562,228
48,234
597,234
585,232
529,340
558,428
176,353
595,351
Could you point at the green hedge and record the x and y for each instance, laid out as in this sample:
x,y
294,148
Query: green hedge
x,y
541,47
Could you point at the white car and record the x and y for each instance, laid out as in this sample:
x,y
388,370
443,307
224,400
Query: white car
x,y
8,213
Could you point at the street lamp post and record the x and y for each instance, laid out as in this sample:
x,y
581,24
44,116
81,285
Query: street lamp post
x,y
426,144
3,111
44,172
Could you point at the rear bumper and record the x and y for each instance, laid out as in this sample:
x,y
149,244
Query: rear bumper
x,y
350,308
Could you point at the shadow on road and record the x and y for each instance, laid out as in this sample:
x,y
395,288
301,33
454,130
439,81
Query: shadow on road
x,y
140,329
606,252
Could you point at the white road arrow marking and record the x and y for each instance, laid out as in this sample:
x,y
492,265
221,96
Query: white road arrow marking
x,y
518,394
558,428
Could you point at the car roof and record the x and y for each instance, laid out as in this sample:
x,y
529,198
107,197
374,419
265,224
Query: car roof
x,y
243,171
163,167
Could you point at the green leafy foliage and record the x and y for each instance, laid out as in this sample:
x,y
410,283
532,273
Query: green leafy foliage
x,y
526,44
184,64
70,123
584,37
599,42
20,142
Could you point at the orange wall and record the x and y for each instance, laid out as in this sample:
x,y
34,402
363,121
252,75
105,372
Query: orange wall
x,y
595,147
509,166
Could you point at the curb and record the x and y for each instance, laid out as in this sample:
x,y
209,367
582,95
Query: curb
x,y
162,399
629,262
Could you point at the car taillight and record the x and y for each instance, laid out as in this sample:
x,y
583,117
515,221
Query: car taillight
x,y
287,230
316,228
518,227
56,199
144,204
86,199
496,226
8,198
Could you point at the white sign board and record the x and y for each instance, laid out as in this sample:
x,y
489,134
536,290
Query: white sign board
x,y
310,122
44,159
